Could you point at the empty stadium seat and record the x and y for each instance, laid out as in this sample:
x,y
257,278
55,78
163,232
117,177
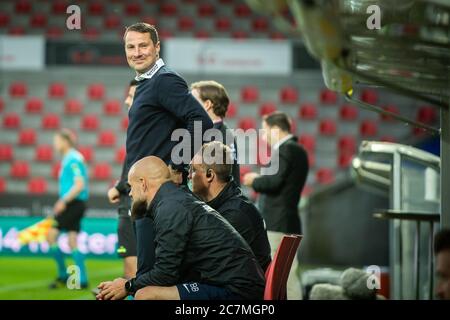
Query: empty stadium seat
x,y
27,137
87,152
18,89
73,106
96,91
247,123
34,105
368,128
16,31
44,153
133,9
124,123
4,20
6,152
307,111
223,24
54,32
38,20
205,10
249,94
347,144
369,96
390,108
57,90
168,9
120,155
241,10
165,34
101,171
288,95
11,121
186,23
328,97
277,36
348,112
96,8
344,160
112,107
150,20
232,110
2,104
106,138
51,121
90,122
23,7
2,185
267,108
260,24
327,127
239,34
111,21
20,169
324,176
59,7
55,170
90,33
308,142
426,114
202,34
37,186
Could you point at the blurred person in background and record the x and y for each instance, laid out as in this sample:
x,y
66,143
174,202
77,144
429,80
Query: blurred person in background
x,y
442,253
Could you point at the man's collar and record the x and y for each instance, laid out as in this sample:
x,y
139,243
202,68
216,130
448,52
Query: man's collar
x,y
279,143
151,72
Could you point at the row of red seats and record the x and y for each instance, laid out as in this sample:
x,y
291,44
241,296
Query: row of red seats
x,y
58,90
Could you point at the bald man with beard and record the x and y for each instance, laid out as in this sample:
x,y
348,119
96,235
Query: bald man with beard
x,y
199,255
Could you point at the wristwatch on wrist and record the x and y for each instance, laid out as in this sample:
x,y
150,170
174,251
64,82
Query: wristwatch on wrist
x,y
129,287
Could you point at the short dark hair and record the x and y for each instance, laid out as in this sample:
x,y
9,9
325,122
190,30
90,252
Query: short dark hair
x,y
221,163
278,119
133,83
442,241
68,135
143,27
216,93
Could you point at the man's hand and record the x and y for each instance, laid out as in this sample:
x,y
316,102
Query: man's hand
x,y
175,175
113,195
248,178
112,290
59,207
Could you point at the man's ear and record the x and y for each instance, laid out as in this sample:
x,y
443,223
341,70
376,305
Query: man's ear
x,y
208,105
144,184
210,174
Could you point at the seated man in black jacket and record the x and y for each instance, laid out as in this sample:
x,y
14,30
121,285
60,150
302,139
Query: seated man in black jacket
x,y
199,255
212,181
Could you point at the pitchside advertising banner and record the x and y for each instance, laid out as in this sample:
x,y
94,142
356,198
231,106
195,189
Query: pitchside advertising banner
x,y
229,56
15,53
98,236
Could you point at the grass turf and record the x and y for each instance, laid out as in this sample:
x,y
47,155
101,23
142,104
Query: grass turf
x,y
27,278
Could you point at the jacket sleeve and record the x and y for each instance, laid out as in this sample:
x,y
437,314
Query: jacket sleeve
x,y
174,95
273,183
240,222
172,228
121,185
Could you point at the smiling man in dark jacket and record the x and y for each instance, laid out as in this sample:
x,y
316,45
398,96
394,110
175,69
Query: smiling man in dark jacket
x,y
212,181
199,255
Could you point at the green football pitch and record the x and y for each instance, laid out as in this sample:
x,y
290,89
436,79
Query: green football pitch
x,y
27,278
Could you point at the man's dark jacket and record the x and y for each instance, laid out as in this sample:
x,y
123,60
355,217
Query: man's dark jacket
x,y
195,243
246,219
281,191
230,140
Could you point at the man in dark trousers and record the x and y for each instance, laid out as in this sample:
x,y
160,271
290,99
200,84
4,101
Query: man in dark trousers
x,y
214,99
162,104
199,255
281,191
210,172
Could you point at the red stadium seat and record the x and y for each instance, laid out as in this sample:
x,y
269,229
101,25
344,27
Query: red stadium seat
x,y
87,152
186,23
96,91
243,170
348,112
307,111
16,31
202,34
91,33
247,123
112,107
369,96
6,152
150,20
239,34
264,152
55,170
90,122
73,106
106,138
120,155
307,190
205,10
44,153
11,121
23,7
277,36
344,160
165,34
18,90
2,185
4,20
328,97
242,10
311,159
223,24
427,115
277,273
368,128
267,108
51,121
325,176
102,171
59,7
288,95
34,105
27,137
308,142
96,8
390,108
232,110
37,186
168,9
133,9
388,139
260,24
20,170
124,123
327,127
347,144
38,20
57,90
249,94
54,32
2,104
111,21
